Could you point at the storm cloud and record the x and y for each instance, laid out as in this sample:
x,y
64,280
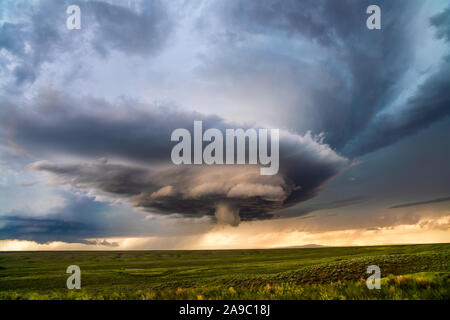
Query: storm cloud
x,y
363,114
41,35
89,220
130,159
352,86
79,219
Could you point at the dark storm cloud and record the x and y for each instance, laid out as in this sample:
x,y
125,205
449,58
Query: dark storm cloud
x,y
345,80
326,22
15,38
362,67
338,27
34,40
305,165
190,191
85,219
413,204
43,230
56,124
195,191
42,35
442,22
366,64
120,28
430,104
57,127
79,219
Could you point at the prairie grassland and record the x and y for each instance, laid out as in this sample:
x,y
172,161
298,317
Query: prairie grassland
x,y
408,272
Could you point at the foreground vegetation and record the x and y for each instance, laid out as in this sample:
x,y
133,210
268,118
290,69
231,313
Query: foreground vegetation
x,y
409,272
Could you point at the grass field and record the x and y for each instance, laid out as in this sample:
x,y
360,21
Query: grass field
x,y
408,272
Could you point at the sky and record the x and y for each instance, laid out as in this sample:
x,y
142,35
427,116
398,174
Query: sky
x,y
86,117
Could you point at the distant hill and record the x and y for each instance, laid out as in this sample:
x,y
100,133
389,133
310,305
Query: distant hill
x,y
309,246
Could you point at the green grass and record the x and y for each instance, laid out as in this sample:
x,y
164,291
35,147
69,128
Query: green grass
x,y
409,272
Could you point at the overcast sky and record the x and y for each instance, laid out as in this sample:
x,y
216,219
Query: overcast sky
x,y
86,117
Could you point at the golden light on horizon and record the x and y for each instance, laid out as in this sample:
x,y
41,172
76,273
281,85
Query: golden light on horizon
x,y
250,236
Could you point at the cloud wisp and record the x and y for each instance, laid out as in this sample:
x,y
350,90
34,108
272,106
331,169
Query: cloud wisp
x,y
419,203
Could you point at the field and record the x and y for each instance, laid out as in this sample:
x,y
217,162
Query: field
x,y
408,272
